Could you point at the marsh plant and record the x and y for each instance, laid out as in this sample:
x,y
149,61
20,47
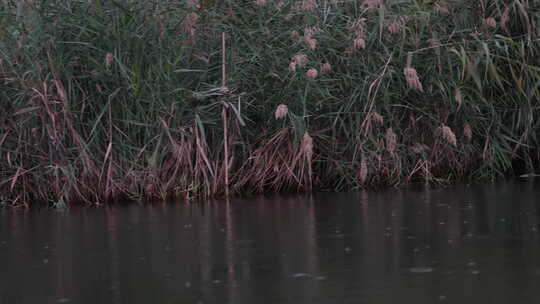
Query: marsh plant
x,y
131,99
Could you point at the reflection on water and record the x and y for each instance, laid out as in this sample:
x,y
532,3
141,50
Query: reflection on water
x,y
468,244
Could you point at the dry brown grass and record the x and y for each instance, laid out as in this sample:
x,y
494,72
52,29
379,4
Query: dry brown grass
x,y
278,164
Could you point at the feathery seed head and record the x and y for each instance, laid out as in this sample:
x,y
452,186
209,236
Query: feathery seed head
x,y
300,59
295,36
448,135
391,140
412,79
505,17
308,5
395,27
370,5
281,111
359,43
292,66
109,58
311,43
358,28
193,4
458,96
260,2
312,73
419,148
309,32
307,146
326,67
376,117
189,24
363,173
490,22
441,8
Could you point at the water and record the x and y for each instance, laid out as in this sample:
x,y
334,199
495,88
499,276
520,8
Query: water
x,y
466,244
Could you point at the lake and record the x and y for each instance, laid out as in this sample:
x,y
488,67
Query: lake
x,y
462,244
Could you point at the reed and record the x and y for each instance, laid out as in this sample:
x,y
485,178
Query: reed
x,y
127,99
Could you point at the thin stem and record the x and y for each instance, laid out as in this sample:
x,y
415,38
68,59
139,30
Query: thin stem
x,y
224,116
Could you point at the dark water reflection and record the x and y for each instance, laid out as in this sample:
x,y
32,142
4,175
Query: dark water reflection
x,y
477,244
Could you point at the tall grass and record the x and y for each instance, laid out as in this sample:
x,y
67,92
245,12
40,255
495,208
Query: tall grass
x,y
126,99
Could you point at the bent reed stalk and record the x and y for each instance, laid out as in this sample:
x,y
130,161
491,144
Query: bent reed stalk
x,y
112,100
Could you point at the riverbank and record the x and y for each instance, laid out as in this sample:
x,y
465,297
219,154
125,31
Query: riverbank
x,y
107,100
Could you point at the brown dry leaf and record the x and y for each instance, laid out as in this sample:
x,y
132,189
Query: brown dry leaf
x,y
458,96
467,131
307,146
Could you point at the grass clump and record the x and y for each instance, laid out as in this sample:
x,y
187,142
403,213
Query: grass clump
x,y
128,99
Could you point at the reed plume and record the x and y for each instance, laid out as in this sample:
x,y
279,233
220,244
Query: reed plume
x,y
298,60
326,67
490,22
312,73
411,76
308,5
458,96
370,5
391,141
441,8
281,111
448,135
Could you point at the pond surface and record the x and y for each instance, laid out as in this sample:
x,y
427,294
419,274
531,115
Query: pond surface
x,y
465,244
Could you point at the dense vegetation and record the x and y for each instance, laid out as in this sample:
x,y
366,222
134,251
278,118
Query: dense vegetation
x,y
127,99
